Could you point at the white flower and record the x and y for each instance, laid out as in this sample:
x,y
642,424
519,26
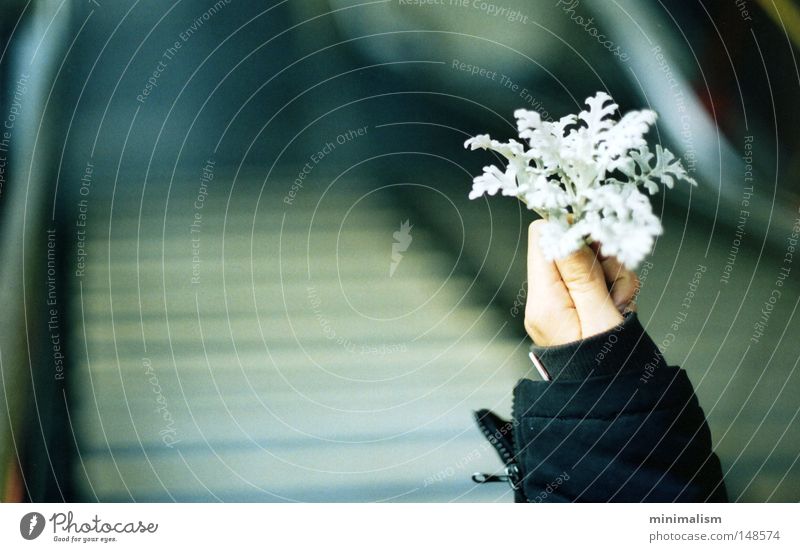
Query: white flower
x,y
559,238
493,180
621,219
582,173
537,189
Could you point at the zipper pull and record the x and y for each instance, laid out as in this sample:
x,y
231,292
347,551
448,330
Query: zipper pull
x,y
511,476
479,477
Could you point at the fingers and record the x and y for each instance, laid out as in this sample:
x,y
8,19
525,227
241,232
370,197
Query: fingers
x,y
541,271
585,279
550,315
581,295
622,283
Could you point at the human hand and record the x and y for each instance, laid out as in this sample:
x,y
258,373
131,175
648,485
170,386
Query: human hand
x,y
576,297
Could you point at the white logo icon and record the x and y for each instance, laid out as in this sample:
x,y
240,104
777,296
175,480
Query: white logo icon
x,y
402,240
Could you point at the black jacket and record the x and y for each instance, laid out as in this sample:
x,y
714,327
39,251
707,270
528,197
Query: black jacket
x,y
616,423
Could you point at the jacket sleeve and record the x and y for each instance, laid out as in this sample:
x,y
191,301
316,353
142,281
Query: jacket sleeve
x,y
615,423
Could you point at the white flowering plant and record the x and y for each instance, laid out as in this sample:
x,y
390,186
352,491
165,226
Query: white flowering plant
x,y
583,174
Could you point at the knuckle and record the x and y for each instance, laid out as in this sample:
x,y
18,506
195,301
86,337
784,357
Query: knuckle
x,y
536,332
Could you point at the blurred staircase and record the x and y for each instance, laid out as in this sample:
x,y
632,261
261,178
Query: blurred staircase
x,y
293,367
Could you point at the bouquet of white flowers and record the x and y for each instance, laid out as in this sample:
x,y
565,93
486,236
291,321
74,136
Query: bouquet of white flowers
x,y
582,175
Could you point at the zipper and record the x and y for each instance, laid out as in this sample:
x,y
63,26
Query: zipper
x,y
510,476
504,443
515,420
505,455
515,423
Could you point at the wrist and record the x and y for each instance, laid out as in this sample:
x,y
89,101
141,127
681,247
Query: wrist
x,y
623,348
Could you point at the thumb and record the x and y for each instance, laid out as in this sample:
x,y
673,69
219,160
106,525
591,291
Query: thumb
x,y
585,280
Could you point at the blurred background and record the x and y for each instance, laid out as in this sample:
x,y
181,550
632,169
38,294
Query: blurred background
x,y
238,261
